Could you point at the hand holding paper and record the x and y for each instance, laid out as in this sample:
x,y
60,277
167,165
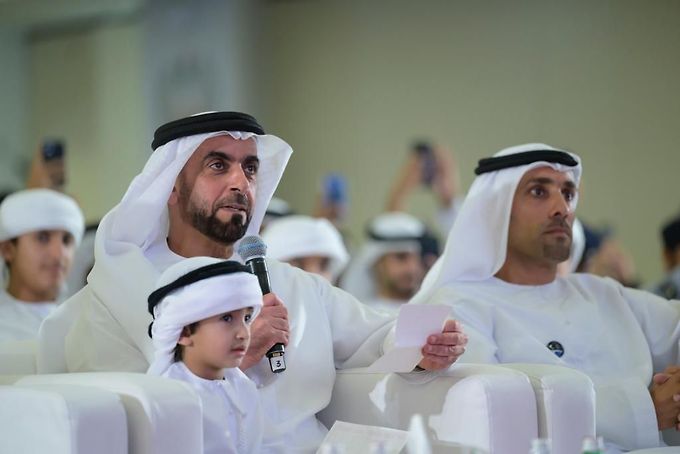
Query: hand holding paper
x,y
445,348
421,340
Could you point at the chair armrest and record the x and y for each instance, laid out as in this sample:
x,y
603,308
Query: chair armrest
x,y
10,379
485,406
163,415
18,357
566,404
61,419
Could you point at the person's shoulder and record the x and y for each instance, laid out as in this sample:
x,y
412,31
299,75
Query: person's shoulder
x,y
467,290
669,289
590,280
277,266
592,286
175,371
296,286
291,275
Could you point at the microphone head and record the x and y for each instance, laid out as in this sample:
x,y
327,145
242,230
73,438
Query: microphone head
x,y
251,247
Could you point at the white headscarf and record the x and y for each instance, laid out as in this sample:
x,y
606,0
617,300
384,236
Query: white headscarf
x,y
303,236
123,276
578,245
477,244
195,302
147,195
279,208
31,210
398,232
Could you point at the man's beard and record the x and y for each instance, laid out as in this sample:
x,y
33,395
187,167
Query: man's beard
x,y
560,250
205,219
401,287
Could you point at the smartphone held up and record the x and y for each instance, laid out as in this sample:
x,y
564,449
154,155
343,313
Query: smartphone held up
x,y
53,157
428,160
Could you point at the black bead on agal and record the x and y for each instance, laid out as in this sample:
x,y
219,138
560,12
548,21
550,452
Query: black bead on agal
x,y
556,348
493,164
204,123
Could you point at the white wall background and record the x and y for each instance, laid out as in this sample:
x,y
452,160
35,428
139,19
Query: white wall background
x,y
351,83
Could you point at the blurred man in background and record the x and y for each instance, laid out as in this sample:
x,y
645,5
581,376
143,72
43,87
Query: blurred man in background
x,y
39,232
311,244
388,269
433,168
669,287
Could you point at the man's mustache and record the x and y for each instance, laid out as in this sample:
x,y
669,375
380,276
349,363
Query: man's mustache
x,y
559,223
238,201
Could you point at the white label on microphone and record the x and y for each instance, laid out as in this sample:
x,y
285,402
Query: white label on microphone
x,y
277,362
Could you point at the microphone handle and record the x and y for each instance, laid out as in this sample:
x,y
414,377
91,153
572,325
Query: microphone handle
x,y
259,268
275,354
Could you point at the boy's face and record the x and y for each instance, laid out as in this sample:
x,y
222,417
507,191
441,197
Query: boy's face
x,y
39,263
219,342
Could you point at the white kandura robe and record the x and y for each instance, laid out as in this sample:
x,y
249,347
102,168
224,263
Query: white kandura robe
x,y
616,335
20,320
329,329
386,305
232,417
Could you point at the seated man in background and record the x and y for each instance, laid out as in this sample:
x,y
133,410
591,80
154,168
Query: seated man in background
x,y
499,274
669,287
388,268
39,232
311,244
604,255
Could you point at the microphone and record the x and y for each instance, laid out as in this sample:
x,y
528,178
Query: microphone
x,y
252,249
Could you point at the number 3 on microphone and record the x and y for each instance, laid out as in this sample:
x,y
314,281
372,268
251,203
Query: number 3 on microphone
x,y
277,362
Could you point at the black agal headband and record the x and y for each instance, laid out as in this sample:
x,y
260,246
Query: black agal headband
x,y
486,165
379,237
204,123
204,272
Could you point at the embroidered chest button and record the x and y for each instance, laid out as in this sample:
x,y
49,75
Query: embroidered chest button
x,y
556,348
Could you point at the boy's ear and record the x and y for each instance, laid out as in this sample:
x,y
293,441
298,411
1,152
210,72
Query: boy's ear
x,y
7,250
185,339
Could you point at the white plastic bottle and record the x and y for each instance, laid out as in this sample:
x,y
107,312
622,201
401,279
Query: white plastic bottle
x,y
378,447
590,446
540,446
331,448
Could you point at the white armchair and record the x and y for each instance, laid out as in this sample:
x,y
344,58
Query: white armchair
x,y
18,357
484,406
565,401
488,407
163,415
61,419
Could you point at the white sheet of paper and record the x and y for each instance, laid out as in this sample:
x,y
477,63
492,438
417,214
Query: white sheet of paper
x,y
414,324
351,438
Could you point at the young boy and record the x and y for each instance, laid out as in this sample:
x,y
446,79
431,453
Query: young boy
x,y
40,230
202,309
